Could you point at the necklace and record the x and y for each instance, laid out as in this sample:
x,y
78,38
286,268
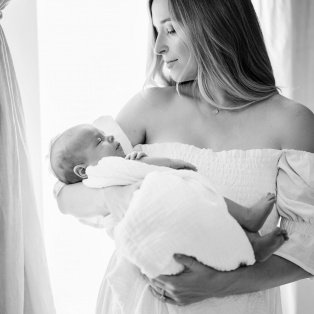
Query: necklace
x,y
216,111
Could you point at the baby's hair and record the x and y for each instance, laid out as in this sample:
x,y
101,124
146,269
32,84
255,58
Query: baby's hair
x,y
63,160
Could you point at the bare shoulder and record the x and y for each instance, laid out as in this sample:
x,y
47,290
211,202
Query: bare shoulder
x,y
294,123
137,114
158,96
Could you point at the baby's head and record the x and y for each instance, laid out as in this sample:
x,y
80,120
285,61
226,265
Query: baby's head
x,y
78,147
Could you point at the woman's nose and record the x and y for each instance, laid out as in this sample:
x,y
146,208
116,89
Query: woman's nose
x,y
160,47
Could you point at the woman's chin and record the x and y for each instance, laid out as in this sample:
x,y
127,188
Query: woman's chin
x,y
179,79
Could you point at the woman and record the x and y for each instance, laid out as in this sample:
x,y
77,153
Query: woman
x,y
220,110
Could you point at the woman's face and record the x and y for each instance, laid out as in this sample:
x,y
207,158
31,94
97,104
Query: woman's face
x,y
170,44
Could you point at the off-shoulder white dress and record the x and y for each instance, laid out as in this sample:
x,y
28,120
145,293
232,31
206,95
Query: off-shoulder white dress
x,y
243,176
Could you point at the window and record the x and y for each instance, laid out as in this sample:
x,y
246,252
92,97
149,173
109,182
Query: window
x,y
92,60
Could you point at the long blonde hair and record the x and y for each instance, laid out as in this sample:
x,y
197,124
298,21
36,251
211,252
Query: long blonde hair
x,y
225,38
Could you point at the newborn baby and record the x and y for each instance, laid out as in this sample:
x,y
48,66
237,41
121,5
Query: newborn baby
x,y
169,191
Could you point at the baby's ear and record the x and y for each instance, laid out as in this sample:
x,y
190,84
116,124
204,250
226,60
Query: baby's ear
x,y
80,171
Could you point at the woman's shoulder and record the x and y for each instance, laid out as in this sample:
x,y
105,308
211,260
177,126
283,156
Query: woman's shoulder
x,y
138,112
293,122
149,98
156,96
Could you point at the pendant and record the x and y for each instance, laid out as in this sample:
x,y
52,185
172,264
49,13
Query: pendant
x,y
216,111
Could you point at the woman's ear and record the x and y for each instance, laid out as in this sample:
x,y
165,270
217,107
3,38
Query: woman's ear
x,y
80,171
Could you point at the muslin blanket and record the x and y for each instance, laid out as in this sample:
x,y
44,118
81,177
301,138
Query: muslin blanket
x,y
173,211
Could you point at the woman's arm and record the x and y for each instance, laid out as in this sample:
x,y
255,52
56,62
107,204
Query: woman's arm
x,y
81,201
132,119
199,282
295,127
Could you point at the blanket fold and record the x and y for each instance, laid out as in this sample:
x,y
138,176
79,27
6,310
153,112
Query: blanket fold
x,y
173,211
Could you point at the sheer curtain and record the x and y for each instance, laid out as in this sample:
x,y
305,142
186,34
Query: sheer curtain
x,y
288,28
24,280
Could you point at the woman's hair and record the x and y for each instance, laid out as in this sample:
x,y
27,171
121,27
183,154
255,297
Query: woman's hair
x,y
225,38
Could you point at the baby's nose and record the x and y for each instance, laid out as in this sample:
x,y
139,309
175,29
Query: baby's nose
x,y
110,138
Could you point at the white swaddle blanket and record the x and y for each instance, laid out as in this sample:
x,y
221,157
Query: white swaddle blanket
x,y
173,211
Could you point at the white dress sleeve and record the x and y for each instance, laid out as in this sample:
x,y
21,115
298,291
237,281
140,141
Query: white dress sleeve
x,y
295,204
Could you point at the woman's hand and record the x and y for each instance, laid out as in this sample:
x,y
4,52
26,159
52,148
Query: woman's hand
x,y
196,283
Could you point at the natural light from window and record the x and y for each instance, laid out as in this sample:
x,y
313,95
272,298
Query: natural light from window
x,y
92,61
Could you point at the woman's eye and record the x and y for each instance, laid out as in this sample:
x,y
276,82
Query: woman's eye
x,y
171,31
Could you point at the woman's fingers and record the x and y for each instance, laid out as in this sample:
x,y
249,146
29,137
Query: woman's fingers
x,y
159,291
187,261
162,296
155,283
195,283
162,279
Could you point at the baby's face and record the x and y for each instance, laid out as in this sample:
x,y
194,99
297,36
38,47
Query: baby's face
x,y
96,144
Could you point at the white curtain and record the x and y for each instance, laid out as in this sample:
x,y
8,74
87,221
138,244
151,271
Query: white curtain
x,y
24,280
288,28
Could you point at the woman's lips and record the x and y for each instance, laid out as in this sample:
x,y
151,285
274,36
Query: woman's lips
x,y
170,64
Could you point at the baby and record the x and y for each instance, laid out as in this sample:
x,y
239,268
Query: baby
x,y
76,153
